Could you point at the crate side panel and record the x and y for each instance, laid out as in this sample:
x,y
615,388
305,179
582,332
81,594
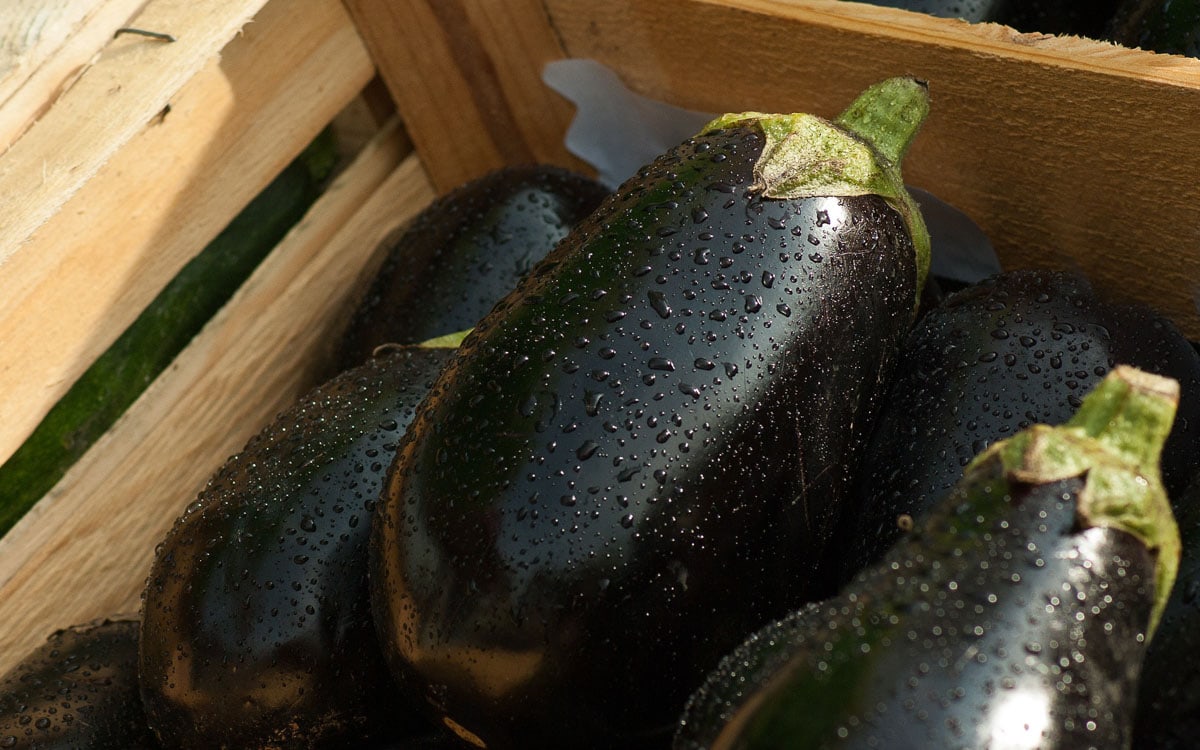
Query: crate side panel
x,y
44,46
132,79
466,77
86,274
84,551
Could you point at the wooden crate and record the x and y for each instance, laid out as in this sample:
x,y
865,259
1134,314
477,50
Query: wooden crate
x,y
1067,152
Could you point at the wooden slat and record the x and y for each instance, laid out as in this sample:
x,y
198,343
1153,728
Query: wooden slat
x,y
44,46
82,277
1067,152
85,549
111,103
466,77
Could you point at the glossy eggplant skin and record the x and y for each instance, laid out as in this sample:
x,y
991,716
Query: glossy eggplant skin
x,y
445,270
1019,348
1166,26
636,457
256,627
968,10
998,622
1077,17
1168,708
1087,18
77,691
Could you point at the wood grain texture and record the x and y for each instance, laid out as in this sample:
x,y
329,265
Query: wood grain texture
x,y
111,102
84,275
44,46
466,77
1068,152
84,551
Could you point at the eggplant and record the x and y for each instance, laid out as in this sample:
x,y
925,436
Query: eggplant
x,y
1166,26
256,621
445,269
1015,615
77,691
968,10
1074,17
1087,18
1016,349
1168,706
637,456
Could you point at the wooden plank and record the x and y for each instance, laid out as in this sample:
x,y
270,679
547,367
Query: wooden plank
x,y
83,276
362,118
1068,152
44,46
84,551
111,103
466,76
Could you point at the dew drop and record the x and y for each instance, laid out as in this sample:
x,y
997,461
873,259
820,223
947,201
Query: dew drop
x,y
591,402
658,301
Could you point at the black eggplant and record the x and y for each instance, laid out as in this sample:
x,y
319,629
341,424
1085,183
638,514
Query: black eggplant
x,y
77,691
1087,18
1015,615
1167,26
256,625
968,10
446,268
636,457
1078,17
1168,707
1019,348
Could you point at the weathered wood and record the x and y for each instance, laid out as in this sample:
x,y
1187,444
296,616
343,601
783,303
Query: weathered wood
x,y
45,45
128,84
84,550
1067,151
83,275
466,77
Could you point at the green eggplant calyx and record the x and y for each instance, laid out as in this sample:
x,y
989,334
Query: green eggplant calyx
x,y
1115,439
806,156
448,341
888,116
